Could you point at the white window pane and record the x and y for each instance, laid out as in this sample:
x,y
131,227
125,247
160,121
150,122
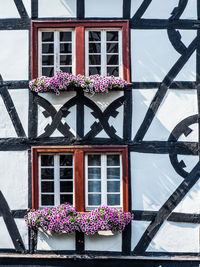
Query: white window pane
x,y
66,186
94,160
113,186
47,173
47,48
66,69
65,60
94,70
112,60
47,187
47,160
112,36
94,186
66,199
113,71
47,36
47,200
94,199
94,36
48,71
113,173
94,173
66,48
66,173
113,160
66,160
47,60
94,59
112,48
94,48
65,36
113,199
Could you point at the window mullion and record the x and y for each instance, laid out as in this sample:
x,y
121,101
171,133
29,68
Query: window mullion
x,y
120,53
56,180
86,53
56,51
104,180
73,53
39,53
40,183
86,180
121,181
103,52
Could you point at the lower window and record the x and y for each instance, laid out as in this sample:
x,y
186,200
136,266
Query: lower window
x,y
85,177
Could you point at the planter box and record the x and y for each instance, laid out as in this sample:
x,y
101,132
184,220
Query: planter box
x,y
55,241
105,232
103,243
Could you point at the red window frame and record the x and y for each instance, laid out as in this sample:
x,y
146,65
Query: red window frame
x,y
79,27
79,180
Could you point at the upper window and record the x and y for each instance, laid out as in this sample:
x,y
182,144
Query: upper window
x,y
56,51
85,177
103,52
81,47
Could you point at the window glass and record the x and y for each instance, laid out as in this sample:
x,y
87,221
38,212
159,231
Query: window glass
x,y
56,179
103,180
56,52
103,52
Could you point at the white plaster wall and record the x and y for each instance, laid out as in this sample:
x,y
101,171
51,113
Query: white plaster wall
x,y
27,5
118,122
155,9
191,202
137,230
103,101
141,100
8,9
55,242
14,54
5,240
190,11
103,243
190,161
188,72
176,237
153,56
153,180
57,102
103,8
14,178
6,127
20,96
176,106
193,136
23,230
57,8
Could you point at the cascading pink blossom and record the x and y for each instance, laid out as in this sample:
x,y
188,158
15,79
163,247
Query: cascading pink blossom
x,y
62,81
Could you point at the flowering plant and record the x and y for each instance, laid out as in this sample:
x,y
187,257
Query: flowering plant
x,y
104,218
62,81
58,219
64,218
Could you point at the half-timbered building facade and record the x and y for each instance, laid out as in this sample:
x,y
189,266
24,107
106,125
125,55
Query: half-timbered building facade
x,y
145,136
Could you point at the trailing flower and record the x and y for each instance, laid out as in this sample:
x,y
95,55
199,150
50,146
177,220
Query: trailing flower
x,y
104,218
62,81
58,219
64,218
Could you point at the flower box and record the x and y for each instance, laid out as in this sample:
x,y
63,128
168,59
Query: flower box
x,y
64,219
105,232
64,81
